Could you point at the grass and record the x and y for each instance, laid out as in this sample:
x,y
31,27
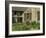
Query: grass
x,y
25,26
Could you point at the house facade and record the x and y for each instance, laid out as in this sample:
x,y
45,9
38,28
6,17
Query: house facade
x,y
22,14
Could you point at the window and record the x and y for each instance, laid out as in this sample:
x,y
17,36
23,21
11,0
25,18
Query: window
x,y
27,16
30,16
18,13
17,18
38,15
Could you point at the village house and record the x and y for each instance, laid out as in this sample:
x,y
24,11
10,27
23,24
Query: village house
x,y
24,14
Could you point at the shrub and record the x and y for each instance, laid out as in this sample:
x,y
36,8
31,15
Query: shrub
x,y
33,23
25,26
28,23
38,25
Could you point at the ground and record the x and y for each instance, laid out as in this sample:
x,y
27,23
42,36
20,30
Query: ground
x,y
25,26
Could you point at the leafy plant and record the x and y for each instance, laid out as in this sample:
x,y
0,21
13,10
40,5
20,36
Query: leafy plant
x,y
35,25
27,22
25,26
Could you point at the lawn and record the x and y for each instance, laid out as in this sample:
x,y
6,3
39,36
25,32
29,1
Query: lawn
x,y
25,26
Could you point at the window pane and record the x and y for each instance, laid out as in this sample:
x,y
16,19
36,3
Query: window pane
x,y
30,16
19,13
24,16
38,13
27,16
19,19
